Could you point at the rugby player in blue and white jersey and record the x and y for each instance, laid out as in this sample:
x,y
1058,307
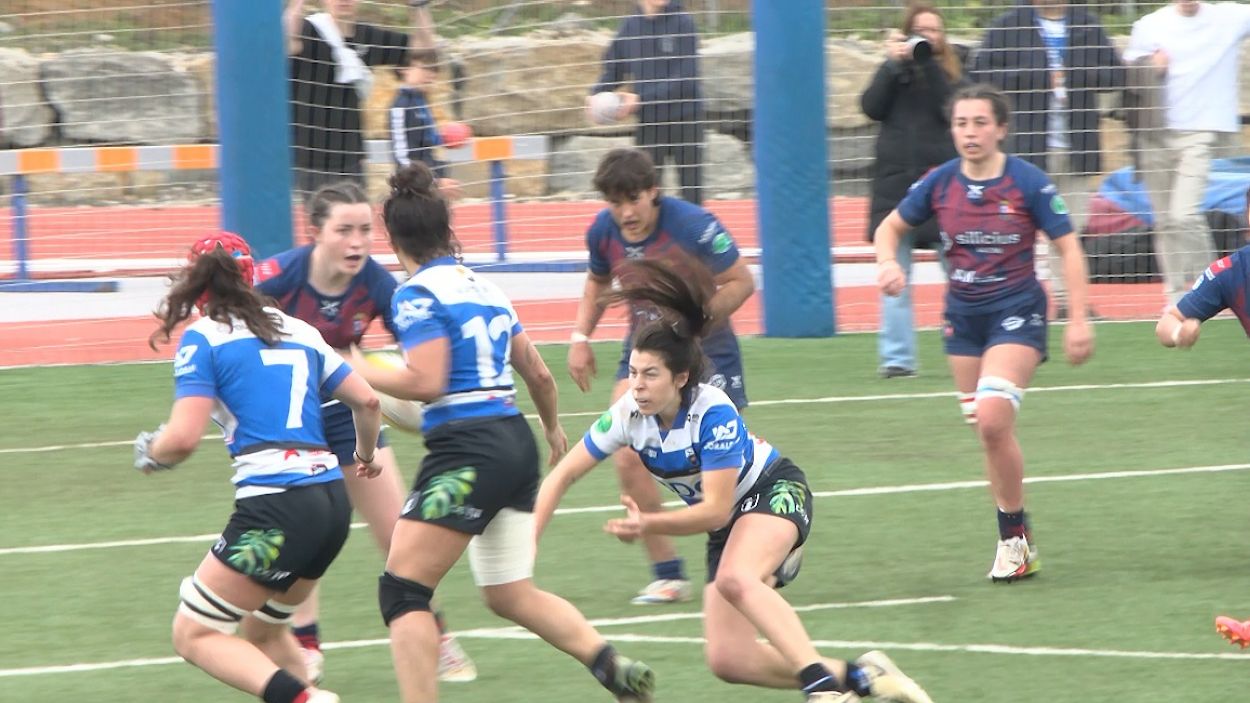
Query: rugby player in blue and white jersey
x,y
639,223
754,504
462,339
259,375
337,287
989,207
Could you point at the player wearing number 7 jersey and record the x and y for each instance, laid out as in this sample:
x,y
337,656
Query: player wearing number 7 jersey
x,y
754,504
259,375
475,490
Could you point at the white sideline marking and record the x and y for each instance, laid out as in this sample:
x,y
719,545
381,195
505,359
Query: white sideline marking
x,y
757,403
848,492
510,632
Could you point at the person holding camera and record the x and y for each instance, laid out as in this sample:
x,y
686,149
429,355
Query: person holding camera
x,y
908,97
1052,59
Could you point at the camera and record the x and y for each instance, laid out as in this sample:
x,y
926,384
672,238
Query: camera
x,y
918,48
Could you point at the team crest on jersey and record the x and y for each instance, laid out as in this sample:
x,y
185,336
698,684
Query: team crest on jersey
x,y
358,324
1004,209
692,457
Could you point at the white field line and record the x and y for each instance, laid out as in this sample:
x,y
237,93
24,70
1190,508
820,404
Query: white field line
x,y
845,493
754,403
481,633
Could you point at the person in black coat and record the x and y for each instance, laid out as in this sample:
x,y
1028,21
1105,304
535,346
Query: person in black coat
x,y
1052,59
908,96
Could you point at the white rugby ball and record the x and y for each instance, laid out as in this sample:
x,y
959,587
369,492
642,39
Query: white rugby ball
x,y
604,106
403,415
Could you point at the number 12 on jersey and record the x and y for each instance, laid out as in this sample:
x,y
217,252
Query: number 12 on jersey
x,y
494,348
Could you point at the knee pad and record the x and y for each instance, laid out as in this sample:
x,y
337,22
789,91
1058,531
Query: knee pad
x,y
998,387
397,596
200,604
968,407
275,613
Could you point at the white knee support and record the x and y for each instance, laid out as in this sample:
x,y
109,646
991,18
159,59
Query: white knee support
x,y
503,553
999,387
275,613
207,608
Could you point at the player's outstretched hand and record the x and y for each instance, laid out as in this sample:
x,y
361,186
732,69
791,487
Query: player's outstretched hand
x,y
628,528
1187,333
582,365
143,453
1078,342
890,277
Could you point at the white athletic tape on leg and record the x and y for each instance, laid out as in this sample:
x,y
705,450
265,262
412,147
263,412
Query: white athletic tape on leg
x,y
999,387
207,608
503,553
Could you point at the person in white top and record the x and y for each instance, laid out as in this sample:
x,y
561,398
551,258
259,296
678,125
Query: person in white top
x,y
1195,47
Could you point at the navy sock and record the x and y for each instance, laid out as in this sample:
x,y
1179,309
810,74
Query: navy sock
x,y
308,636
284,688
672,570
1012,524
858,680
817,677
604,666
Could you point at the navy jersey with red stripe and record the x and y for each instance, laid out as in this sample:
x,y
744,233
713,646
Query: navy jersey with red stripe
x,y
988,229
1222,286
685,235
341,319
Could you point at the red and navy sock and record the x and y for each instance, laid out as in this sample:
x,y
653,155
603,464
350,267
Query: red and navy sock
x,y
308,636
1012,524
284,688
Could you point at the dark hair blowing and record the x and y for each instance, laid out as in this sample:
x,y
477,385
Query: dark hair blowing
x,y
681,304
624,173
215,279
983,91
417,217
331,194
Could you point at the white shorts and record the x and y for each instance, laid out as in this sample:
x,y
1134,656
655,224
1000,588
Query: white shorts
x,y
503,553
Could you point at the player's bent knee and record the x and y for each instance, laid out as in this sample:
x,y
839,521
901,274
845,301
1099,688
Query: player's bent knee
x,y
724,663
734,586
398,596
999,387
199,604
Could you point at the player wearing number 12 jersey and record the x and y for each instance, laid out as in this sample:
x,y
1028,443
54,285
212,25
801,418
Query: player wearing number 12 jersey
x,y
259,375
475,490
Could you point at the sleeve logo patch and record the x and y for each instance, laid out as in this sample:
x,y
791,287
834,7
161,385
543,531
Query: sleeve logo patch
x,y
604,423
722,243
1057,205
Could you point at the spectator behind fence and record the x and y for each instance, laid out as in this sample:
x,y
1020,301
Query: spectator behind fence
x,y
413,128
331,54
1051,59
658,49
1195,47
908,97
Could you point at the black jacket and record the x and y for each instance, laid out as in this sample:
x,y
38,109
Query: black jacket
x,y
909,100
661,56
1013,58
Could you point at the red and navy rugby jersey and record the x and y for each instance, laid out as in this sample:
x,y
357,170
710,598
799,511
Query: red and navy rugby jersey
x,y
1223,285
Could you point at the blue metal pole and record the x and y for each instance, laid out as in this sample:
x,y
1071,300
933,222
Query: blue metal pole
x,y
792,167
498,213
21,233
253,121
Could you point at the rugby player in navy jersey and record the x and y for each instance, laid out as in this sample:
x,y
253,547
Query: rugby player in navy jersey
x,y
989,207
259,375
640,223
334,285
475,490
1223,286
753,503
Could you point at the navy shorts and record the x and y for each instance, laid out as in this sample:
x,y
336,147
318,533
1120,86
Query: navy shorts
x,y
340,431
782,492
725,373
1021,323
279,538
474,469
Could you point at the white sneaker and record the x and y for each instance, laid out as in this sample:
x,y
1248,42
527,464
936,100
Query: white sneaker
x,y
1015,559
314,665
663,591
454,665
887,682
320,696
833,697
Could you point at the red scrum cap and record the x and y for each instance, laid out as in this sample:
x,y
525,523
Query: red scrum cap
x,y
233,244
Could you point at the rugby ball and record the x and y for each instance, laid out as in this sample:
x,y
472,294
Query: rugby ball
x,y
403,415
603,107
